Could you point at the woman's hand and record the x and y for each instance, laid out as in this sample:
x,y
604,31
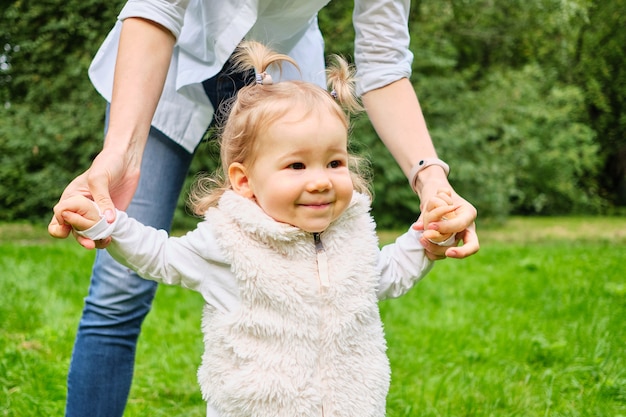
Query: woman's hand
x,y
110,182
78,213
443,214
144,54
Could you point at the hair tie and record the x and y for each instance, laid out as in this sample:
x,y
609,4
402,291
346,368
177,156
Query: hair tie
x,y
334,94
264,78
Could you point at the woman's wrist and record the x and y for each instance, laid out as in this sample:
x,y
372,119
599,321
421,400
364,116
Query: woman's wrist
x,y
428,171
127,147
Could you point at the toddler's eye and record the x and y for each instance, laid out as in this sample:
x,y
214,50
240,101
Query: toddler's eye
x,y
297,165
335,164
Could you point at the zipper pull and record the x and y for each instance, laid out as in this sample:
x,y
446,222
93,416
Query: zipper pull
x,y
322,261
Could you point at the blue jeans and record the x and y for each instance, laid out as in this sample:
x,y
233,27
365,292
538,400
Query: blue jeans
x,y
101,368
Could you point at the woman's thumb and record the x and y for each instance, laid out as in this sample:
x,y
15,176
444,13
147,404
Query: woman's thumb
x,y
105,205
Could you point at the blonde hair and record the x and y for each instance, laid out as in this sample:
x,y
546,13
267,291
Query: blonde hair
x,y
257,106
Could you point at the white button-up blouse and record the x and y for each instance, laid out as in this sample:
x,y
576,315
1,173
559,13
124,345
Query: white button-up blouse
x,y
208,31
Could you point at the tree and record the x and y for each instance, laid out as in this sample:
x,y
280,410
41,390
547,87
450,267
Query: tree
x,y
600,70
51,118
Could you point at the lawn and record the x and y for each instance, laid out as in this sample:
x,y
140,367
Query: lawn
x,y
532,325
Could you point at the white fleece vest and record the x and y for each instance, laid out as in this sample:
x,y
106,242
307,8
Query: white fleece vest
x,y
296,346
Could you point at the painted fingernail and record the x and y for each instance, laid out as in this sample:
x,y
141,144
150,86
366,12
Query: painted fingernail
x,y
108,214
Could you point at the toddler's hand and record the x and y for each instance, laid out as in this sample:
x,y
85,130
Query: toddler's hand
x,y
438,208
78,211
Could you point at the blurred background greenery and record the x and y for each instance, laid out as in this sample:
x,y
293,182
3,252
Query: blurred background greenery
x,y
524,99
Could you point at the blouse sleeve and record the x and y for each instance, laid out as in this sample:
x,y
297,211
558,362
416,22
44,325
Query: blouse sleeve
x,y
167,13
381,48
402,264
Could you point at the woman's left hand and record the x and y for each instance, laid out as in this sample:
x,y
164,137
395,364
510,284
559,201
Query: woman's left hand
x,y
463,224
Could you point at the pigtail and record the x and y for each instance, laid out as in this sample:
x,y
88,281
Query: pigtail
x,y
255,56
341,80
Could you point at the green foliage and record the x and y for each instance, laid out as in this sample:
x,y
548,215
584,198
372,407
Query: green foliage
x,y
515,32
41,155
51,118
601,72
515,144
500,108
52,44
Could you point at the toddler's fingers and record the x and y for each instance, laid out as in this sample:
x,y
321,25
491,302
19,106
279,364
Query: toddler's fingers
x,y
437,214
59,231
418,225
435,202
432,251
77,220
101,244
445,195
452,223
435,236
79,205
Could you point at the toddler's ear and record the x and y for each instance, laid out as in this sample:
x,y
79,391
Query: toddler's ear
x,y
239,179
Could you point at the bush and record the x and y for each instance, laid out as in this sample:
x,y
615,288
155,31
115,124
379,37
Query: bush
x,y
517,144
51,117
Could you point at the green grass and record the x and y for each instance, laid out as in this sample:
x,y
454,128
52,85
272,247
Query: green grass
x,y
532,325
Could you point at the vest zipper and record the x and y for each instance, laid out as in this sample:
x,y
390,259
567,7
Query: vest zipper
x,y
322,261
322,273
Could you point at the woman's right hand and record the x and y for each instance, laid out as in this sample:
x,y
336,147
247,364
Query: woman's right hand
x,y
110,182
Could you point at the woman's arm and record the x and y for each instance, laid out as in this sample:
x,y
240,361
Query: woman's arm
x,y
144,54
143,59
395,112
397,117
383,61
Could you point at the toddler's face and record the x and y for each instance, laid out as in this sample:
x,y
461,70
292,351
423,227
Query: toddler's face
x,y
300,174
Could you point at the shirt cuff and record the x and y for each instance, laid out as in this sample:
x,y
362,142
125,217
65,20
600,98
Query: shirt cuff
x,y
448,242
168,13
98,231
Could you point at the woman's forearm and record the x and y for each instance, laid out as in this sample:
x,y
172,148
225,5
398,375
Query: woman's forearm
x,y
143,59
395,113
397,117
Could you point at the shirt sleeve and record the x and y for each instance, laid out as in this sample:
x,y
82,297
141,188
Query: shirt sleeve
x,y
168,13
381,49
192,261
402,264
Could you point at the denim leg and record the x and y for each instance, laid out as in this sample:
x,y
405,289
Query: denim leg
x,y
102,363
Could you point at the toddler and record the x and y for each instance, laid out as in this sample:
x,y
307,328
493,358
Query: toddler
x,y
286,258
